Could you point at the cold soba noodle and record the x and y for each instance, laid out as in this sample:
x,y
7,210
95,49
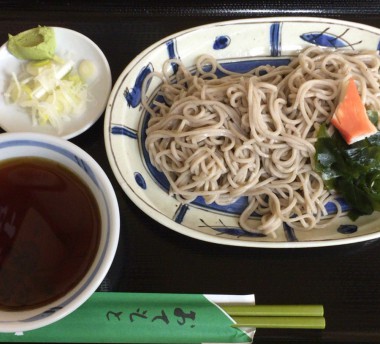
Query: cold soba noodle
x,y
253,134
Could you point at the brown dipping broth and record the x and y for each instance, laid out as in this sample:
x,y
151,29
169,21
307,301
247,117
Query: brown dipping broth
x,y
50,227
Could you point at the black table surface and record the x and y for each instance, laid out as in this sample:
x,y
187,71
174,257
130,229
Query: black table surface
x,y
152,258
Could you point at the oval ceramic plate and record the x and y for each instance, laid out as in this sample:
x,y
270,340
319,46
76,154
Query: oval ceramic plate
x,y
238,44
79,47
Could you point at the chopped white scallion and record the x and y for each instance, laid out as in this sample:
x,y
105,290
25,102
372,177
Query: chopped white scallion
x,y
59,73
87,70
51,90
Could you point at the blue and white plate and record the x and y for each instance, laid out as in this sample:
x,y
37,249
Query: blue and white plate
x,y
240,45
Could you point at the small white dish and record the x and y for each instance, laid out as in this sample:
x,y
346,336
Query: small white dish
x,y
239,44
13,118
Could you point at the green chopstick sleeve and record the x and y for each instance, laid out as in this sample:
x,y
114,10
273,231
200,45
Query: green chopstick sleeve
x,y
140,318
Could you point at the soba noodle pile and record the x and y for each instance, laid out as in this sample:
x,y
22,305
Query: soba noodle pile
x,y
253,134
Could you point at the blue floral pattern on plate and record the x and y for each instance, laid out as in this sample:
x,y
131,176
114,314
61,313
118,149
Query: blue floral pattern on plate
x,y
249,43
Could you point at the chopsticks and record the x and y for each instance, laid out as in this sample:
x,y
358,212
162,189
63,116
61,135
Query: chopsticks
x,y
281,322
277,316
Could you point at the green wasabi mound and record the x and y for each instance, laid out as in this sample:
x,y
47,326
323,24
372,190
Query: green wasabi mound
x,y
34,44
